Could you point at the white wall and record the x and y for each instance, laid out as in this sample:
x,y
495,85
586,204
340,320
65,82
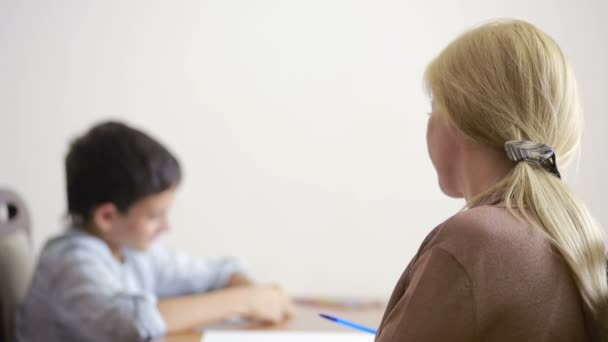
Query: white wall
x,y
300,124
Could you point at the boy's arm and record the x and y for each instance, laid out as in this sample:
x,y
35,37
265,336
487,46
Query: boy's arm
x,y
268,304
89,304
198,292
239,279
176,274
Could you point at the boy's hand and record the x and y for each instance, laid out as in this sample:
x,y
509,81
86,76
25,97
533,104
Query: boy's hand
x,y
261,304
267,304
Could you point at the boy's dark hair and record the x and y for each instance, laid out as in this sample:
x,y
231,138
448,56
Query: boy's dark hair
x,y
115,163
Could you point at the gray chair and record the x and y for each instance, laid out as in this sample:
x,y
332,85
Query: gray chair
x,y
16,259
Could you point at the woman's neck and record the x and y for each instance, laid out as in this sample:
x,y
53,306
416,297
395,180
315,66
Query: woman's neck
x,y
481,170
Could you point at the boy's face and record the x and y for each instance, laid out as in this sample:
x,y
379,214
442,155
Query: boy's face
x,y
145,220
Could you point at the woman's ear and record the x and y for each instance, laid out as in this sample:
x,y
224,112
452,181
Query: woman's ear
x,y
105,216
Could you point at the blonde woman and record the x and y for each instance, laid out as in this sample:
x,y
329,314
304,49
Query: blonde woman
x,y
526,260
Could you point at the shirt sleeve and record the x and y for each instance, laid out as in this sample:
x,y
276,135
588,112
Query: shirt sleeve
x,y
177,274
94,307
437,304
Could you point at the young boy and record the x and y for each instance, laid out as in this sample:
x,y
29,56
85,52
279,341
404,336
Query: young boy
x,y
103,280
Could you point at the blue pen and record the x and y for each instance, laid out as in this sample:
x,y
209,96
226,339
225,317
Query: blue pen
x,y
349,324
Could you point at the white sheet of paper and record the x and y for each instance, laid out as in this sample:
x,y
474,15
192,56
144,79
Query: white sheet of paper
x,y
284,336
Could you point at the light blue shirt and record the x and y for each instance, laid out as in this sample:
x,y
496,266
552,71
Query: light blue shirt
x,y
80,292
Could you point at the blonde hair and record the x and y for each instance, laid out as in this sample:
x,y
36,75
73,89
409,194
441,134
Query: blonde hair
x,y
507,80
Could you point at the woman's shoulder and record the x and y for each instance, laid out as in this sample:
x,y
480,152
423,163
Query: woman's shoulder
x,y
489,230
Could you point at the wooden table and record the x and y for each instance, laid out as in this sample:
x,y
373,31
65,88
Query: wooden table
x,y
306,319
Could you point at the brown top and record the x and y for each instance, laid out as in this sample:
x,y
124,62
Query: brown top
x,y
485,276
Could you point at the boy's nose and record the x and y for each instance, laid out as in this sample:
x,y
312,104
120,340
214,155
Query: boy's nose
x,y
166,226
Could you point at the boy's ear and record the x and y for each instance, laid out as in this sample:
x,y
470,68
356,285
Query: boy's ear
x,y
104,216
